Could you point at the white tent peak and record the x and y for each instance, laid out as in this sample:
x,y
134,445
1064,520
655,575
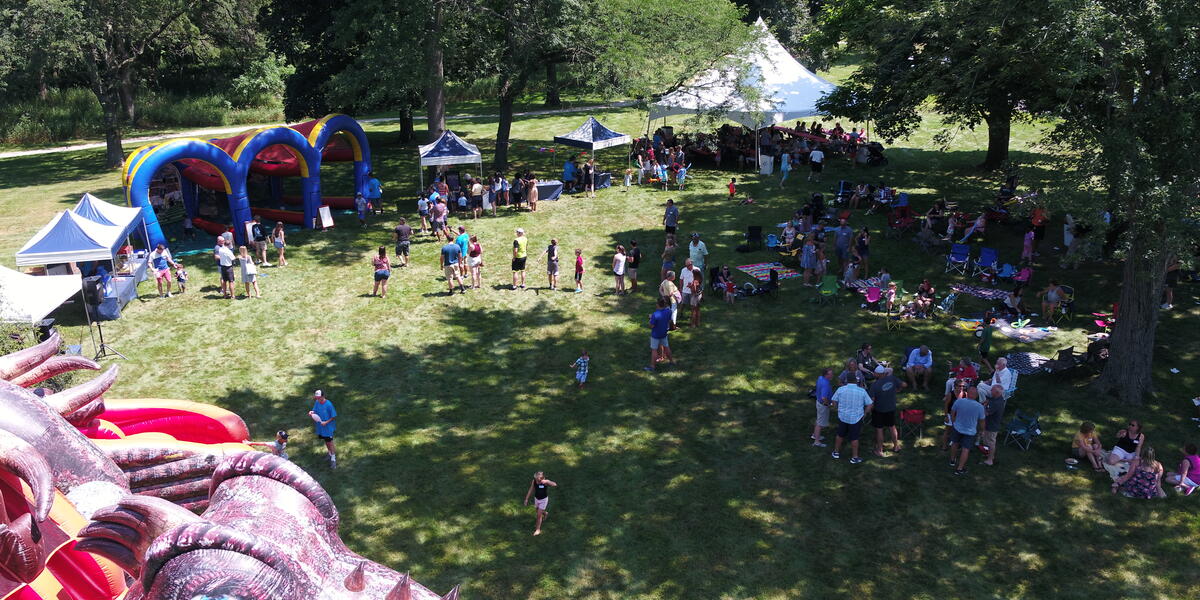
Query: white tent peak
x,y
789,90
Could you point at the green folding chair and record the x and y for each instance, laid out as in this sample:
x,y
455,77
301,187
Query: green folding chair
x,y
827,290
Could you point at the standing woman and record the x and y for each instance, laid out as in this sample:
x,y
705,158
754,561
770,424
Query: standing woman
x,y
475,261
541,498
668,257
518,191
249,272
589,177
808,259
618,267
862,248
278,236
531,191
551,255
383,270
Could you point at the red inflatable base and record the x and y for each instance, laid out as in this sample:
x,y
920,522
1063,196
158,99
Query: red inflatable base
x,y
339,202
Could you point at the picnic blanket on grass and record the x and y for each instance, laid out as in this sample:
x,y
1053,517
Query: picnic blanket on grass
x,y
980,292
1026,363
762,271
1022,334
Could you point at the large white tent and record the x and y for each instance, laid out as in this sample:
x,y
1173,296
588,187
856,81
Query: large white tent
x,y
69,237
789,91
28,298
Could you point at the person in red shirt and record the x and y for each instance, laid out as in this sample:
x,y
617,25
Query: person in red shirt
x,y
964,371
732,187
578,271
1038,219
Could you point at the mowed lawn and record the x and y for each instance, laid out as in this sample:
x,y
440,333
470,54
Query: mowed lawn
x,y
698,482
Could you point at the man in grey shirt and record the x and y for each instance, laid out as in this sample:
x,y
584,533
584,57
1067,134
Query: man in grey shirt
x,y
967,419
671,217
843,234
994,404
883,392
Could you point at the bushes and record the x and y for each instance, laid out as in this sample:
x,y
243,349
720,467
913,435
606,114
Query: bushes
x,y
75,113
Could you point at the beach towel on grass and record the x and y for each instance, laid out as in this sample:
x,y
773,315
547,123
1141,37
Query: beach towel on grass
x,y
980,292
1023,334
762,271
1026,363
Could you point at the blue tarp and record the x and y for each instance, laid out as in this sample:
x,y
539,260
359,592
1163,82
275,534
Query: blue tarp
x,y
592,135
449,150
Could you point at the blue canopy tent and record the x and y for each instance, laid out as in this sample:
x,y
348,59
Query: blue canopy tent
x,y
592,136
94,209
449,150
68,238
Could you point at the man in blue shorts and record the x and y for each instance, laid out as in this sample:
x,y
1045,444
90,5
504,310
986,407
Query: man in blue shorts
x,y
852,404
325,416
660,324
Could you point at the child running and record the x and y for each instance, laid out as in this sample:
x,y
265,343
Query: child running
x,y
581,368
540,490
578,271
732,187
181,276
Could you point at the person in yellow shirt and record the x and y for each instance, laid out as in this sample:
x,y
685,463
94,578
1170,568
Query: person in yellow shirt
x,y
1087,444
520,253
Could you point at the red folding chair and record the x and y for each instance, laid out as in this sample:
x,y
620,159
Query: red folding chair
x,y
912,421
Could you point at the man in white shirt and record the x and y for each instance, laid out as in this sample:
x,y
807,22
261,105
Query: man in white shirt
x,y
697,251
1002,376
224,257
816,161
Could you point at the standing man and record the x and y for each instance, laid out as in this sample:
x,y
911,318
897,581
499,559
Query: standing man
x,y
843,234
824,393
360,205
464,245
852,404
324,416
374,193
450,257
816,161
697,251
520,253
476,198
162,262
635,260
967,417
671,217
920,363
402,235
224,257
259,236
883,393
994,405
660,325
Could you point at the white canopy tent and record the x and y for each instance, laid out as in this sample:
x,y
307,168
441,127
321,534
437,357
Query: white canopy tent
x,y
789,91
69,237
29,298
449,150
95,209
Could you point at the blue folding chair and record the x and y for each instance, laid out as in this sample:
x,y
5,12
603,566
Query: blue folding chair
x,y
902,199
772,240
958,259
988,257
1006,271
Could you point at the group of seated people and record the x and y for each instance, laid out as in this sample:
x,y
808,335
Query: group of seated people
x,y
737,144
1132,464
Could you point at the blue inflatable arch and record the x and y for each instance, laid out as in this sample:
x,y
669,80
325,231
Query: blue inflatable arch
x,y
145,162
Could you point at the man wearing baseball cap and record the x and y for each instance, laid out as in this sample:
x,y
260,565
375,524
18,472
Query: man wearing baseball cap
x,y
324,416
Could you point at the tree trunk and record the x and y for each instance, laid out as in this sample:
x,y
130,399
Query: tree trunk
x,y
110,104
503,130
553,100
128,111
999,122
1127,375
406,125
435,91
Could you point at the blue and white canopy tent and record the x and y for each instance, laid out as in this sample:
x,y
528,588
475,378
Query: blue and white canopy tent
x,y
68,238
593,136
95,209
449,150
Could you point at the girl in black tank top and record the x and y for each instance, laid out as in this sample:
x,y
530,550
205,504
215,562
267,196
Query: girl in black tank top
x,y
539,488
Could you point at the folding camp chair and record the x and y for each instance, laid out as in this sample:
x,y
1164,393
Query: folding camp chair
x,y
827,290
1022,430
912,422
1066,306
754,237
988,257
899,221
891,317
873,296
958,259
1006,271
845,189
772,241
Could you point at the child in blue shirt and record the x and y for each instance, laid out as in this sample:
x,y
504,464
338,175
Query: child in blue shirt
x,y
581,368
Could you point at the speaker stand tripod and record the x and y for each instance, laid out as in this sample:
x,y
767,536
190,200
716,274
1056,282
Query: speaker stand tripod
x,y
106,350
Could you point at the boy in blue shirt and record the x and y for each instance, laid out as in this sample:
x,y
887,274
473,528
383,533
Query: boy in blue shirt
x,y
660,324
324,416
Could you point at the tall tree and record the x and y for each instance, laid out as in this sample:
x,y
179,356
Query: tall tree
x,y
1131,85
976,61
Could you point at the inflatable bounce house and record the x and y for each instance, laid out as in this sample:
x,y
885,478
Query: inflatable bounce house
x,y
224,164
105,499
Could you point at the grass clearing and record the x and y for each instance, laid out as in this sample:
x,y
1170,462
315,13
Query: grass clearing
x,y
698,482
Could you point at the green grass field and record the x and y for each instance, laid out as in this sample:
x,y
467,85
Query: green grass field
x,y
699,482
